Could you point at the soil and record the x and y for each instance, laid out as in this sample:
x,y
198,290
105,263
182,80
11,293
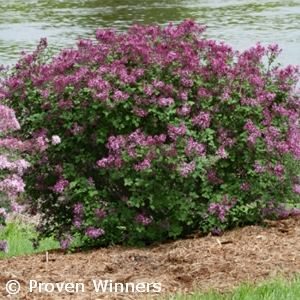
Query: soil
x,y
250,254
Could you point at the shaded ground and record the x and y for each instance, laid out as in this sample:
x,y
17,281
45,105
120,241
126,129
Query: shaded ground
x,y
250,253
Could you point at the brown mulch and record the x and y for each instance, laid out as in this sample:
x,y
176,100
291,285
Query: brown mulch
x,y
245,254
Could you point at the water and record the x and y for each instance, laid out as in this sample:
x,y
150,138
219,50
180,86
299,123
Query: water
x,y
240,23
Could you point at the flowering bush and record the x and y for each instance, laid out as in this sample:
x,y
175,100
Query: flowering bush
x,y
12,166
155,132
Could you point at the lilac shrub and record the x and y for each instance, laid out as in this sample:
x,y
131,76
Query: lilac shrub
x,y
12,167
153,133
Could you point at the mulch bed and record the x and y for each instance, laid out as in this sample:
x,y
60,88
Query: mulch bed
x,y
244,254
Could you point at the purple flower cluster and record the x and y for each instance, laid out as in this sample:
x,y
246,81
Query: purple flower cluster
x,y
184,110
258,167
64,244
165,224
55,140
12,185
245,186
140,112
60,186
91,181
77,129
211,177
254,132
165,101
12,167
16,207
216,231
124,199
116,145
93,232
8,119
296,189
4,246
221,208
100,213
78,215
279,171
146,163
42,143
194,147
221,152
120,96
3,213
18,166
187,168
280,211
65,104
174,131
78,210
202,119
141,218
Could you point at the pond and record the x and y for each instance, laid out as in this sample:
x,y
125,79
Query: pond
x,y
240,23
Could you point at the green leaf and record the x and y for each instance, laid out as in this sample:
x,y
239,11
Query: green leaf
x,y
93,193
128,181
73,184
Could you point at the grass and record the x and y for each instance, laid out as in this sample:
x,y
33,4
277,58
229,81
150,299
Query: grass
x,y
273,289
18,236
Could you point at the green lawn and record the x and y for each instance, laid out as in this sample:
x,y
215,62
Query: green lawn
x,y
18,236
273,289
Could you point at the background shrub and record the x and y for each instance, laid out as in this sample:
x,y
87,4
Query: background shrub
x,y
154,133
12,167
